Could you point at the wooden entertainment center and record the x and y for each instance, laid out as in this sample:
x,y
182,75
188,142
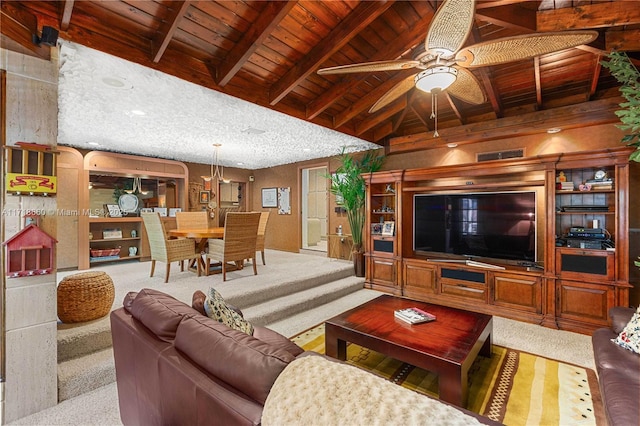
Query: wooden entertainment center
x,y
571,286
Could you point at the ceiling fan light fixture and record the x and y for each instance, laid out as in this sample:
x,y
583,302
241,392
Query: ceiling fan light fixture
x,y
436,78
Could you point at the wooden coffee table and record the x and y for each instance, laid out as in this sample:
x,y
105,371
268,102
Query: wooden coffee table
x,y
447,346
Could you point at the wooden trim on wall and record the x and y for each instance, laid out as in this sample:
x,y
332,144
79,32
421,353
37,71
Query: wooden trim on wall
x,y
568,117
3,277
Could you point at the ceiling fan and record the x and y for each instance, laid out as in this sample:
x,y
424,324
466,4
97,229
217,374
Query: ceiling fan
x,y
444,66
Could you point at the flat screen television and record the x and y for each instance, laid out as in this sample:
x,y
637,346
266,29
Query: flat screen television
x,y
499,225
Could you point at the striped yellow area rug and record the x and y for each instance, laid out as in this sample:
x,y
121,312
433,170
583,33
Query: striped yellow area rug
x,y
511,387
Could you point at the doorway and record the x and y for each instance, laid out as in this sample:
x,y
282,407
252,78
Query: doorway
x,y
315,201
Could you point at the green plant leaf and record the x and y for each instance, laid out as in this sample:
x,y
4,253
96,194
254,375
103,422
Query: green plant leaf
x,y
348,182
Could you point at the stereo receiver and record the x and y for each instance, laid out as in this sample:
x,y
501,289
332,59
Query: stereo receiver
x,y
590,233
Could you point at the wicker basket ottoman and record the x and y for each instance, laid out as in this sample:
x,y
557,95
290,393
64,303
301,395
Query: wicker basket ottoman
x,y
85,296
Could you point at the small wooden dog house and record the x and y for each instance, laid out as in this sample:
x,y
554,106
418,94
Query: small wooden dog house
x,y
29,252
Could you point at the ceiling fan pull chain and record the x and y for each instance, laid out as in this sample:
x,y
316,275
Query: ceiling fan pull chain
x,y
434,113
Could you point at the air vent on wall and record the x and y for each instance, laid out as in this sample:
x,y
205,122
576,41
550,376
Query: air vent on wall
x,y
500,155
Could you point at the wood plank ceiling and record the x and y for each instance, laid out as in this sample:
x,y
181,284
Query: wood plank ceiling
x,y
268,52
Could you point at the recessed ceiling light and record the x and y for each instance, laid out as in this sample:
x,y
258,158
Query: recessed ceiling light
x,y
253,131
554,130
452,145
138,112
113,82
306,149
93,143
239,163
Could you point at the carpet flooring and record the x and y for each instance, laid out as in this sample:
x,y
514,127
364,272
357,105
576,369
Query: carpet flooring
x,y
100,407
511,387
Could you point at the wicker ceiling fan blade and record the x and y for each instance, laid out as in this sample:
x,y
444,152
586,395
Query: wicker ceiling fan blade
x,y
517,48
370,66
467,88
450,27
396,91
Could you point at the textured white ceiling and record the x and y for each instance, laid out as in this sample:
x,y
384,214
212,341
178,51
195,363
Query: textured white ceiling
x,y
98,94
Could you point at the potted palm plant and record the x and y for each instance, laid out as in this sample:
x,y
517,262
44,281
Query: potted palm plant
x,y
348,183
628,75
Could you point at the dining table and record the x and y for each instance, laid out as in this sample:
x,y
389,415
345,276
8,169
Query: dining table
x,y
201,235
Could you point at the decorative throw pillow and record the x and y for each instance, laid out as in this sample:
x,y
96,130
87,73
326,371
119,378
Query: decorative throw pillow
x,y
629,338
217,309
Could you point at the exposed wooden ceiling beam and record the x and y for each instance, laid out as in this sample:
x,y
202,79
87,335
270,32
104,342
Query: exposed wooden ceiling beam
x,y
485,4
365,13
65,15
628,40
455,108
268,20
596,76
382,132
515,17
20,26
394,49
400,118
597,15
365,102
536,72
382,115
168,28
421,118
573,116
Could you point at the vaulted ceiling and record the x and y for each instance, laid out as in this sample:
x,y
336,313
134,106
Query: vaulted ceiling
x,y
269,52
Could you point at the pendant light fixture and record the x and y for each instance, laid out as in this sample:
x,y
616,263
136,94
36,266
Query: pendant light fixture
x,y
434,81
137,187
217,171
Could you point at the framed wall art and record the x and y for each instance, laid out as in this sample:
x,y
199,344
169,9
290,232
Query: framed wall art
x,y
205,197
284,201
269,197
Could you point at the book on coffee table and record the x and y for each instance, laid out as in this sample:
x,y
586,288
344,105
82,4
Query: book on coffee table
x,y
414,315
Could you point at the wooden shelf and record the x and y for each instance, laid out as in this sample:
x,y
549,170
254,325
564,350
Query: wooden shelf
x,y
592,212
115,219
102,240
593,191
98,260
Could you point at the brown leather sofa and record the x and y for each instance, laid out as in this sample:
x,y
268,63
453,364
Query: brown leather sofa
x,y
175,366
618,371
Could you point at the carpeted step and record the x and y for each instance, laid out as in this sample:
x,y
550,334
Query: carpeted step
x,y
76,340
86,373
302,321
245,298
275,309
85,357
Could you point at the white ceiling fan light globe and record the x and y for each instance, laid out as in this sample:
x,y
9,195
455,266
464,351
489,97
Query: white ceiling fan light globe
x,y
436,78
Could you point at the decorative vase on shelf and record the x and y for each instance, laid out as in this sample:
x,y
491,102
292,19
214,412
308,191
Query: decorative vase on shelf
x,y
133,251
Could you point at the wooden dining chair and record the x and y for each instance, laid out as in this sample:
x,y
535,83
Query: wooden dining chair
x,y
164,249
193,220
262,229
239,243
